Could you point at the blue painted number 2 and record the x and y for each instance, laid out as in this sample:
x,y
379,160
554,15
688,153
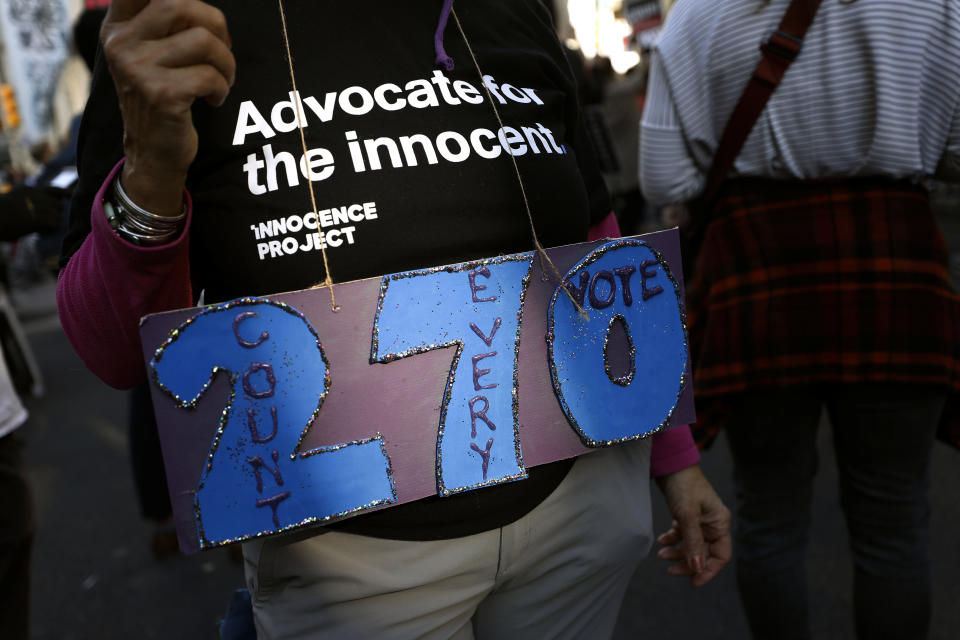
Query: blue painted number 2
x,y
256,480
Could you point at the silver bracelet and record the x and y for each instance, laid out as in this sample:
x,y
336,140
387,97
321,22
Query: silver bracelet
x,y
137,225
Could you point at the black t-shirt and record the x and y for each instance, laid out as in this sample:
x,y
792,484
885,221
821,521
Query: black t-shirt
x,y
410,169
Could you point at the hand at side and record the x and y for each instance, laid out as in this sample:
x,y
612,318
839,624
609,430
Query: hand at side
x,y
698,544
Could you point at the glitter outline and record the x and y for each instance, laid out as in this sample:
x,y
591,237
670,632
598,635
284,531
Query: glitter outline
x,y
623,381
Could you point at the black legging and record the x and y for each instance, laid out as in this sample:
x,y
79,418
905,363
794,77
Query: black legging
x,y
149,475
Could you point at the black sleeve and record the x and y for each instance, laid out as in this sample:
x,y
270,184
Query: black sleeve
x,y
99,148
600,206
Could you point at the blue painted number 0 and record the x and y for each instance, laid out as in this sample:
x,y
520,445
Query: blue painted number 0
x,y
634,303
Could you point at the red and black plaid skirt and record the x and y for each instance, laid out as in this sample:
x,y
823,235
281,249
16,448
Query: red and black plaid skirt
x,y
840,281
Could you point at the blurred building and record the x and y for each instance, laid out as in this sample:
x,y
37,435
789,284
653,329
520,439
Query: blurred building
x,y
48,83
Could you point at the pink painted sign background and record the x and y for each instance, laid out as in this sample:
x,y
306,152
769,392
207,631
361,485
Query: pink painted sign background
x,y
401,399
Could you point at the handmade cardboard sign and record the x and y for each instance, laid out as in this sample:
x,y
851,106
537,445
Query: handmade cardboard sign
x,y
276,413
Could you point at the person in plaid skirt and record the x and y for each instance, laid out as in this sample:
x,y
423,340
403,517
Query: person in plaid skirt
x,y
821,282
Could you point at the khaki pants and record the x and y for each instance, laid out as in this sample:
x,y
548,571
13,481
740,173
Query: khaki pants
x,y
561,571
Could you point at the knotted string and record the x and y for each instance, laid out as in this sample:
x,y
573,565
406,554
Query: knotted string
x,y
541,252
442,58
328,280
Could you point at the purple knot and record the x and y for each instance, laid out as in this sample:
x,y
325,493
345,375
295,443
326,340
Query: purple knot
x,y
442,58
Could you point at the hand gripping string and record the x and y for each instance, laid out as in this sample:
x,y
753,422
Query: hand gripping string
x,y
328,280
541,252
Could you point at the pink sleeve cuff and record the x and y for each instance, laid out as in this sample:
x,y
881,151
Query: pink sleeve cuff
x,y
673,450
606,228
109,284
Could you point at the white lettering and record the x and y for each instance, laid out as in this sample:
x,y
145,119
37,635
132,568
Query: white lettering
x,y
443,146
289,163
482,151
421,94
508,136
407,142
467,92
443,83
317,165
249,121
379,94
366,101
356,155
530,133
355,213
296,109
325,112
533,96
542,129
252,167
491,85
294,223
373,153
515,94
333,238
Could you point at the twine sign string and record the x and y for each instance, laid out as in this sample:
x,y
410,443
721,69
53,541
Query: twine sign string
x,y
328,279
541,252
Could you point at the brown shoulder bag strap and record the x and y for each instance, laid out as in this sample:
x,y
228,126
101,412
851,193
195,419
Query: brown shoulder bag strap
x,y
779,49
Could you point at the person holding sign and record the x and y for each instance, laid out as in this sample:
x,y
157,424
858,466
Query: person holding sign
x,y
307,140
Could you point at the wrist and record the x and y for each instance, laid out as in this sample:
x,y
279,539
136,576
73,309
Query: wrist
x,y
156,189
684,476
138,225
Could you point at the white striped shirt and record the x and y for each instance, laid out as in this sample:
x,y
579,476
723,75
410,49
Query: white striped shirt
x,y
874,91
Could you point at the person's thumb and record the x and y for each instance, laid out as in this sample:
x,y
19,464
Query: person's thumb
x,y
122,10
693,545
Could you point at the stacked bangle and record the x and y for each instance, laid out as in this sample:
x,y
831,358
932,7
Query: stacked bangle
x,y
137,225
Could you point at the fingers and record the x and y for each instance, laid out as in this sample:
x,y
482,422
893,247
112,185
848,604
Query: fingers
x,y
197,45
163,55
122,10
712,567
158,19
670,537
692,535
698,544
202,81
715,560
145,41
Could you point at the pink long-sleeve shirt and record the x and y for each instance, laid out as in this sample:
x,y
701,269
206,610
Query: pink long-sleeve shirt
x,y
109,284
